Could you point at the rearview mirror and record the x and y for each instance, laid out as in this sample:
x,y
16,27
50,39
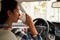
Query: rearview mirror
x,y
56,5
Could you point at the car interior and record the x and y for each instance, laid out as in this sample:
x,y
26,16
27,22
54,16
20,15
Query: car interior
x,y
46,18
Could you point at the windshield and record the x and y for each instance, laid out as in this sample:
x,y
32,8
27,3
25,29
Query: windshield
x,y
42,9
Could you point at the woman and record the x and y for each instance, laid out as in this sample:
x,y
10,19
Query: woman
x,y
9,14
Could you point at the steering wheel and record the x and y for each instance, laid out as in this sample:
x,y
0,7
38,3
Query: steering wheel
x,y
51,30
42,27
51,27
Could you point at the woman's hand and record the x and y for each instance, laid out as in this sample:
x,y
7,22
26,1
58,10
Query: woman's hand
x,y
28,19
30,23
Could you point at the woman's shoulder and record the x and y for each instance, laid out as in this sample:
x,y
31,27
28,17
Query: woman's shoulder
x,y
7,35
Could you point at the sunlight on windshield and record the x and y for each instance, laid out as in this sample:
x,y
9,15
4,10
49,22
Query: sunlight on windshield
x,y
42,9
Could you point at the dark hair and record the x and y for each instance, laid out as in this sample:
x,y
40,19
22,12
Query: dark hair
x,y
5,6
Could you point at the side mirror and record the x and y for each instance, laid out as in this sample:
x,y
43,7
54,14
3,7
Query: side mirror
x,y
56,5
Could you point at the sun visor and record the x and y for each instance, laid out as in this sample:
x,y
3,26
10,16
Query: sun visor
x,y
30,0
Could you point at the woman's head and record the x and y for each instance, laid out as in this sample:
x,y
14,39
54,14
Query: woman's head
x,y
9,11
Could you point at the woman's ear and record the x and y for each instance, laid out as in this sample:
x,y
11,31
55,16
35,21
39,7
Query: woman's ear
x,y
9,13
